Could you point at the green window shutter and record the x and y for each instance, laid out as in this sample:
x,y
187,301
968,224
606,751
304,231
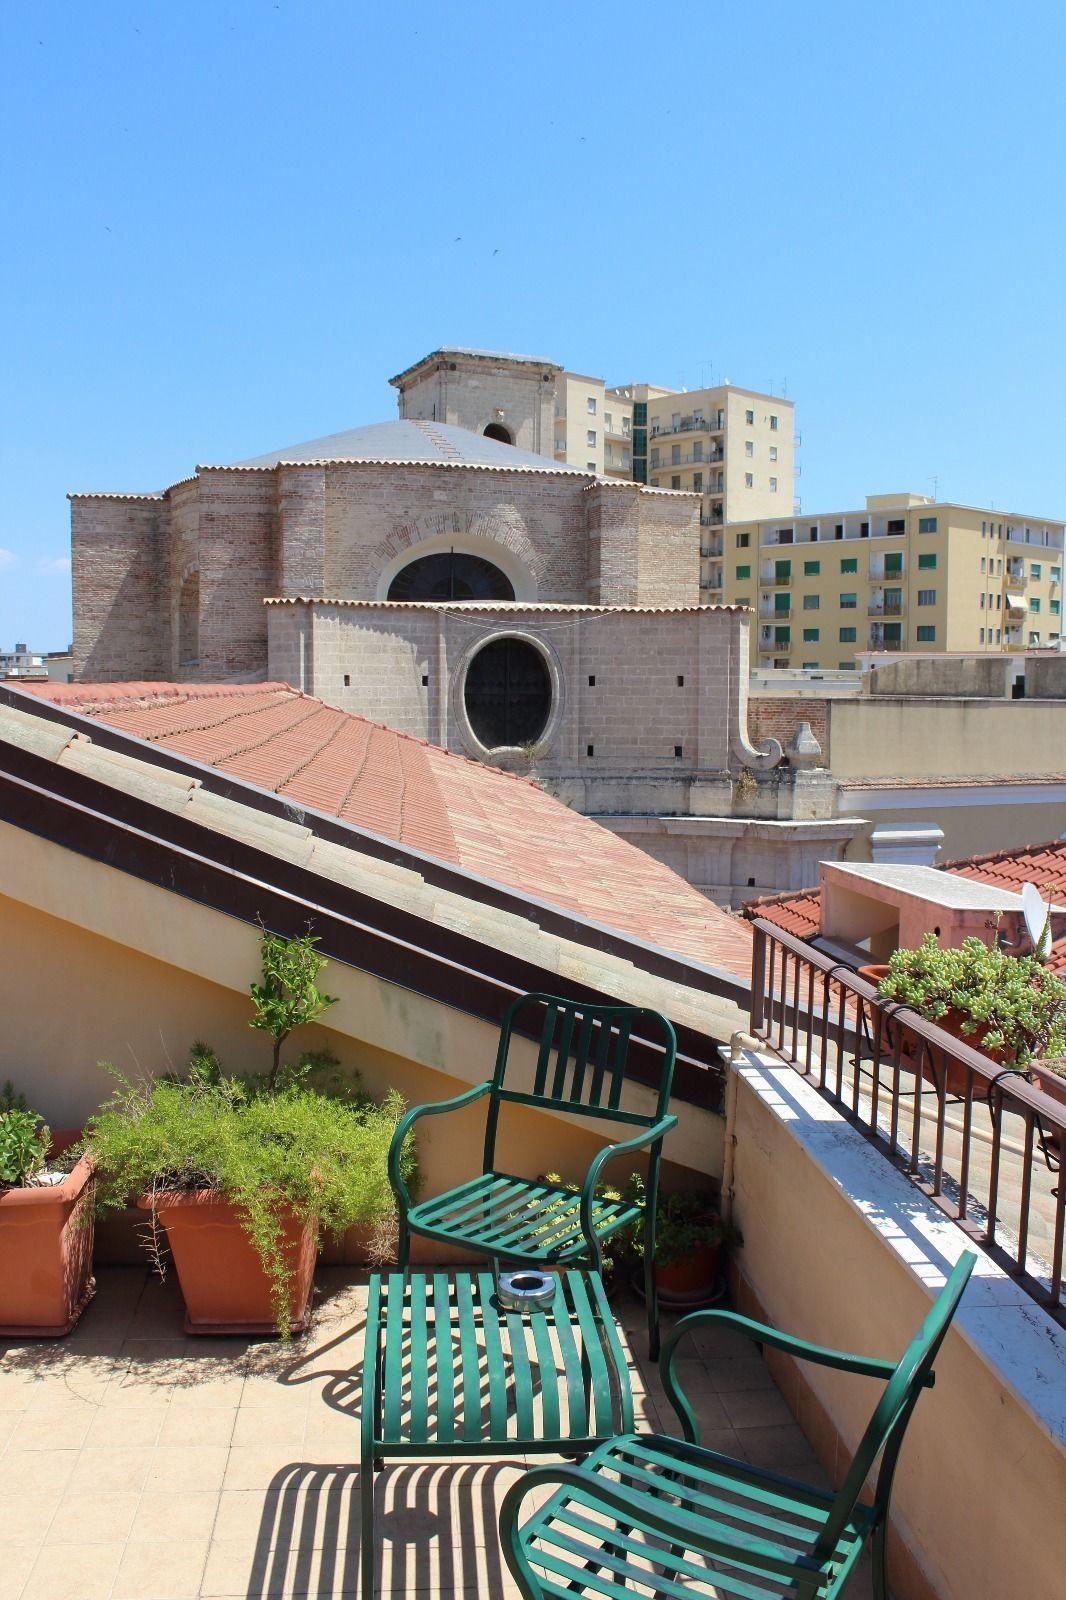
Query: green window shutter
x,y
782,602
894,561
849,564
848,601
927,560
812,568
743,572
782,635
810,635
1054,605
847,635
926,634
782,570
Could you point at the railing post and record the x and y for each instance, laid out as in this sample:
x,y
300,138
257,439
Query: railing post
x,y
758,980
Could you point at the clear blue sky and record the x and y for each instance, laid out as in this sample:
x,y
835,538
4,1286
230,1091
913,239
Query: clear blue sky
x,y
227,224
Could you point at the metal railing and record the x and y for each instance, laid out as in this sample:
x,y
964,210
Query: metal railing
x,y
979,1140
688,425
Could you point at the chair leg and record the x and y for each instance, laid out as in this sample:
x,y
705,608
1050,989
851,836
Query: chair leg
x,y
366,1527
651,1293
880,1571
403,1246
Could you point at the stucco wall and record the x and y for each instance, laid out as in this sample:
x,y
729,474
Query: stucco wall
x,y
840,1249
946,738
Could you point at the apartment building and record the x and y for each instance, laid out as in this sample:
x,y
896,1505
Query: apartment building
x,y
904,573
593,429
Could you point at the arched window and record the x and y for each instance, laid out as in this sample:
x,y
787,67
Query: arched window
x,y
508,694
496,430
189,622
451,575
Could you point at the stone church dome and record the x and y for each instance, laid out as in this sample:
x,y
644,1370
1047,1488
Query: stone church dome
x,y
392,443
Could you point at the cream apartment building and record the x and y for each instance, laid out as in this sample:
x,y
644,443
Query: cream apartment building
x,y
904,573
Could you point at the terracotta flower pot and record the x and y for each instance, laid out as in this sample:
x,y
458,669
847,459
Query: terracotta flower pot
x,y
683,1279
956,1075
46,1253
222,1279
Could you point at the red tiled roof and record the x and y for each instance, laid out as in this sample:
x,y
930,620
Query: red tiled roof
x,y
1041,864
487,821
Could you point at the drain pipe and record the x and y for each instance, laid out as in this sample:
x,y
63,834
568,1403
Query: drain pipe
x,y
739,1045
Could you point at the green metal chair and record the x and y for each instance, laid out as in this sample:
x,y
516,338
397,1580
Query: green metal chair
x,y
580,1069
679,1520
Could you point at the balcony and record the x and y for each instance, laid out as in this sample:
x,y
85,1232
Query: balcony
x,y
881,569
711,547
775,574
688,425
775,613
882,641
878,606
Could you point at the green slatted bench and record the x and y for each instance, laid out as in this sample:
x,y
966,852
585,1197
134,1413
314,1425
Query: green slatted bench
x,y
449,1371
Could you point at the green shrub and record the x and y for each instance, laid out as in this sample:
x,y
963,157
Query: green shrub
x,y
1008,1004
685,1221
24,1141
322,1157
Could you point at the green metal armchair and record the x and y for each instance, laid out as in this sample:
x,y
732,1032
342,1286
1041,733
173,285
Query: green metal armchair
x,y
680,1520
580,1069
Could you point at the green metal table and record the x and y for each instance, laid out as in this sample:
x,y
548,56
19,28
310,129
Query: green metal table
x,y
449,1371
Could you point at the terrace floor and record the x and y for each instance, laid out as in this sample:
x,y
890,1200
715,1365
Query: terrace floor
x,y
139,1464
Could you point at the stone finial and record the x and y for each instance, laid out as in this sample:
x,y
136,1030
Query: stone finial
x,y
804,750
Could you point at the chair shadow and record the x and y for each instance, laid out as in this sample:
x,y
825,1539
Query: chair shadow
x,y
440,1533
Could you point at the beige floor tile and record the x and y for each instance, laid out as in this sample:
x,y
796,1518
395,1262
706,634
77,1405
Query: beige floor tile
x,y
94,1517
746,1372
207,1386
36,1470
15,1568
169,1570
283,1425
114,1468
126,1425
779,1448
163,1516
73,1572
26,1516
755,1408
187,1466
247,1515
263,1466
59,1425
239,1568
197,1425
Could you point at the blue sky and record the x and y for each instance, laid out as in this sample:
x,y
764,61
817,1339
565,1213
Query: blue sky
x,y
227,224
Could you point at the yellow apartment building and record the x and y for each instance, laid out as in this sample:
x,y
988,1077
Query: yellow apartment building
x,y
905,573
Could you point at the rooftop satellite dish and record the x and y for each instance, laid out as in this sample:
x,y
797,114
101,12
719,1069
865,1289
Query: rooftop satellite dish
x,y
1037,914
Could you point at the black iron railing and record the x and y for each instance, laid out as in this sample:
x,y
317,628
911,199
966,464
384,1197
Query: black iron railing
x,y
982,1142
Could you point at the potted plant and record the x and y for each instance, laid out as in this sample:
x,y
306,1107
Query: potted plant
x,y
1011,1008
46,1236
690,1234
241,1177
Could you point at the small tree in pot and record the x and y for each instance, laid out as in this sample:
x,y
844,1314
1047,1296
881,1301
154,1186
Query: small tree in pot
x,y
245,1175
690,1234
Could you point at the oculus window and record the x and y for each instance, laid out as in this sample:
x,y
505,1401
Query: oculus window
x,y
508,694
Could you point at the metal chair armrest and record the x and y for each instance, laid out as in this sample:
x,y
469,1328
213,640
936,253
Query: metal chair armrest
x,y
657,1131
759,1333
407,1122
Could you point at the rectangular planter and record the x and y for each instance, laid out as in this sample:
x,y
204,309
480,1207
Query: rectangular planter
x,y
46,1252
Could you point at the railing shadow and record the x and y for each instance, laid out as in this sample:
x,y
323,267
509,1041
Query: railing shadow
x,y
440,1533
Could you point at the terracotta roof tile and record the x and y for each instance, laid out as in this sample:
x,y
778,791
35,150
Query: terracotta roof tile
x,y
489,822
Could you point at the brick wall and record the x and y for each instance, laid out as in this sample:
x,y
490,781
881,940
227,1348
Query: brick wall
x,y
115,575
237,568
777,716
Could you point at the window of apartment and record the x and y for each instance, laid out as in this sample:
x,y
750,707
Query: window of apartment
x,y
655,457
849,563
742,600
927,597
591,403
848,602
925,633
982,636
675,454
927,561
846,666
894,563
1056,574
810,635
773,423
749,418
812,602
697,481
749,480
1053,607
591,465
847,635
1034,638
811,569
896,525
810,666
743,572
675,482
864,530
697,450
999,635
608,422
590,438
675,419
627,424
982,563
838,530
743,541
1034,569
749,447
1034,604
999,602
773,452
982,602
926,524
773,485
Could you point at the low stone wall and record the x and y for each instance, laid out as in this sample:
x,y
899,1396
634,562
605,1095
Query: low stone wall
x,y
842,1250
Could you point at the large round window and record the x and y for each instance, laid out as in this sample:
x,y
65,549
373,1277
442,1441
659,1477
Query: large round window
x,y
451,575
508,694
